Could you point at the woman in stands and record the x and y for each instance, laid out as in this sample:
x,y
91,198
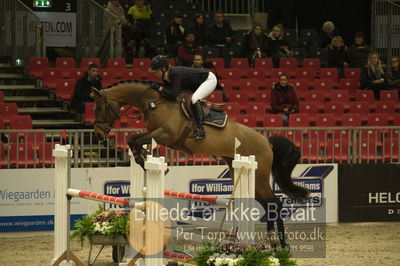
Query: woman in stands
x,y
255,44
174,34
372,75
199,29
392,74
337,55
283,98
329,31
277,44
200,81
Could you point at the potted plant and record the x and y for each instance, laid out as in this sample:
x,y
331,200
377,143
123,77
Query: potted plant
x,y
104,228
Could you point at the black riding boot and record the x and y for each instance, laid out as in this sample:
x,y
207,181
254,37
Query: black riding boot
x,y
198,133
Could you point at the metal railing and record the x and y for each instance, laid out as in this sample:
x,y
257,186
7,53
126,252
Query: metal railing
x,y
385,28
22,34
233,6
32,149
98,32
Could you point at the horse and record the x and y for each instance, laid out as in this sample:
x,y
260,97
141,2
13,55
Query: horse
x,y
167,125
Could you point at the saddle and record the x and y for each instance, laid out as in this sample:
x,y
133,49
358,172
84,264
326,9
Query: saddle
x,y
214,114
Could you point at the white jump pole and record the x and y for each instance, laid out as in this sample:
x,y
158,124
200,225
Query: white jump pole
x,y
155,169
60,154
245,192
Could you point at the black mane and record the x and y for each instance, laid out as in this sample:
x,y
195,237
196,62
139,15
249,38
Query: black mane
x,y
147,82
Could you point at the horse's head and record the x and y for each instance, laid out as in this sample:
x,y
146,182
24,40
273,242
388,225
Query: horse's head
x,y
106,112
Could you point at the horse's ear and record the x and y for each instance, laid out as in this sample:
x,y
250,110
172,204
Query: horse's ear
x,y
96,92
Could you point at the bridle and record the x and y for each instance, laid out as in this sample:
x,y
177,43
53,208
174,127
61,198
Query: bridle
x,y
111,113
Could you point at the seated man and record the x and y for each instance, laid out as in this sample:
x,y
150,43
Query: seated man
x,y
220,34
83,88
200,81
188,50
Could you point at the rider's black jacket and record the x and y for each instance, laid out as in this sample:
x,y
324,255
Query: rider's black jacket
x,y
183,78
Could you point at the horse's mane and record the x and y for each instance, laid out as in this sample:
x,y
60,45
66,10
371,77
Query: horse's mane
x,y
143,82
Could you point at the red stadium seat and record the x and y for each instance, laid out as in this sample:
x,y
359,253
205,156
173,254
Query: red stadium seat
x,y
232,108
251,84
132,73
248,120
340,95
37,65
265,63
7,110
310,151
351,85
141,63
352,73
314,63
300,84
89,113
310,107
305,73
87,61
45,154
77,73
350,120
323,84
256,73
238,96
215,97
218,63
362,108
389,95
334,107
229,73
1,97
330,73
22,155
315,96
263,96
242,63
338,150
288,62
391,150
367,149
107,73
298,120
116,63
66,64
65,89
50,77
256,108
388,107
277,72
365,95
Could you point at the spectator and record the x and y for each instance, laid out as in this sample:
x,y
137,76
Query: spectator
x,y
200,30
283,98
220,33
277,44
140,18
198,61
337,55
359,51
187,51
255,44
174,34
372,75
328,32
115,8
83,88
392,74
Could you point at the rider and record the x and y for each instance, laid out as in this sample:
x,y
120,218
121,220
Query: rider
x,y
200,81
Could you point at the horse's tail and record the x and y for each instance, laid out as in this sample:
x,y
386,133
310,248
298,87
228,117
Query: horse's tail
x,y
286,156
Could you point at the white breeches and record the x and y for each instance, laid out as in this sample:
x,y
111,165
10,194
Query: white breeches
x,y
206,88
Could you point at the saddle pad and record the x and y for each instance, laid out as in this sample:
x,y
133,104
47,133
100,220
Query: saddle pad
x,y
215,119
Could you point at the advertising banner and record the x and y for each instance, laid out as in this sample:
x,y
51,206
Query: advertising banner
x,y
369,193
59,27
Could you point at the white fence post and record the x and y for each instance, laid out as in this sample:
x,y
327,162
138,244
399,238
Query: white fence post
x,y
60,154
154,228
244,194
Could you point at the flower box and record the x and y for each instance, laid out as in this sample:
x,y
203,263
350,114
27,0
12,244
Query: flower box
x,y
98,239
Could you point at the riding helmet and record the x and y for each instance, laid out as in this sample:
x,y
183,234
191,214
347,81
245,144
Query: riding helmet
x,y
158,62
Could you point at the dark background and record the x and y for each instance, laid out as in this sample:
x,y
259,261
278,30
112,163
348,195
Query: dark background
x,y
349,16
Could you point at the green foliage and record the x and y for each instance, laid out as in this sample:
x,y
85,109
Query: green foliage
x,y
255,258
284,257
108,223
204,254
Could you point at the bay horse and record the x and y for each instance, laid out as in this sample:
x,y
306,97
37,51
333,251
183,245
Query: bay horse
x,y
168,126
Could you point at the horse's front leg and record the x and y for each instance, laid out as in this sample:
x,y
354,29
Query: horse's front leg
x,y
136,143
139,153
